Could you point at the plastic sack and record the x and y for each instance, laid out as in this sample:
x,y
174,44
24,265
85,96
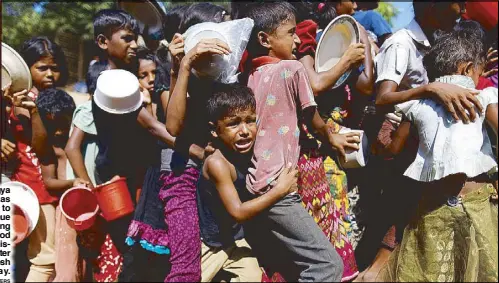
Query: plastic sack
x,y
236,34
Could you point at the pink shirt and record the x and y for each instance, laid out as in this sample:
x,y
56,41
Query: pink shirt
x,y
282,91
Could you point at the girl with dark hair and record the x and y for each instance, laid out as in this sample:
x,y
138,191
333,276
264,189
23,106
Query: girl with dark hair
x,y
46,62
48,69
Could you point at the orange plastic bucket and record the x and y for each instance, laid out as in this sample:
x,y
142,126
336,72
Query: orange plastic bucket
x,y
20,223
114,199
79,205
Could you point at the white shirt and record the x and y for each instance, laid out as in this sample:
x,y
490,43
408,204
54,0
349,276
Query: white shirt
x,y
447,147
400,58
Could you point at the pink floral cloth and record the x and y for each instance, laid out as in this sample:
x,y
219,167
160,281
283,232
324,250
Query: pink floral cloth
x,y
282,91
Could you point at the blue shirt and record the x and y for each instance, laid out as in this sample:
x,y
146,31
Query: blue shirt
x,y
373,21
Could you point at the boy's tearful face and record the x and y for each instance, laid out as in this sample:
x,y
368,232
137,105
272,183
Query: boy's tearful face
x,y
123,45
238,130
284,41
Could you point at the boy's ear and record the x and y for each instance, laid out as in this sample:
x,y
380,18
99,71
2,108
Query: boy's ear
x,y
102,41
213,130
468,69
263,39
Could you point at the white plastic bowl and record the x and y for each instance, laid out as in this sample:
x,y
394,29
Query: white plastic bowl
x,y
118,92
334,42
356,158
213,66
14,70
25,198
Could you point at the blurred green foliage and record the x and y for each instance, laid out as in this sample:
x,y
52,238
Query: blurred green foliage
x,y
388,11
20,20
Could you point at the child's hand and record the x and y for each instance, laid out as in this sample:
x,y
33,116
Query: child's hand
x,y
491,60
205,47
146,95
287,181
354,56
176,48
18,99
340,142
80,182
8,149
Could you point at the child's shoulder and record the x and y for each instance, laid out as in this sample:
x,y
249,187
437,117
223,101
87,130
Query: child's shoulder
x,y
488,95
216,165
292,65
401,38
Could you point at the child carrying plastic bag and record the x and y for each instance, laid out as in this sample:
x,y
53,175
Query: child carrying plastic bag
x,y
236,34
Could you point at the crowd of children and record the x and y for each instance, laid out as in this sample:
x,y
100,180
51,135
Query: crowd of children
x,y
243,182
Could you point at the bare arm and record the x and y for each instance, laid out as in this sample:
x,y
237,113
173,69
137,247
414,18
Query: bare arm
x,y
157,129
491,116
177,106
458,101
73,152
323,81
49,174
365,81
338,142
218,171
399,139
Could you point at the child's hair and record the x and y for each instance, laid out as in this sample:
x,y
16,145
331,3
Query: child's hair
x,y
229,98
239,9
268,17
200,13
109,21
36,48
173,19
144,53
471,26
453,49
93,74
58,105
305,10
326,14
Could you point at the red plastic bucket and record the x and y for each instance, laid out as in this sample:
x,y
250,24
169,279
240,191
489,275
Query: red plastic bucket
x,y
20,223
114,199
79,205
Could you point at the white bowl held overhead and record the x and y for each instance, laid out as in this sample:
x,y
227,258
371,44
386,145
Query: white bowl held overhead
x,y
211,66
356,158
334,42
25,198
14,70
118,92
